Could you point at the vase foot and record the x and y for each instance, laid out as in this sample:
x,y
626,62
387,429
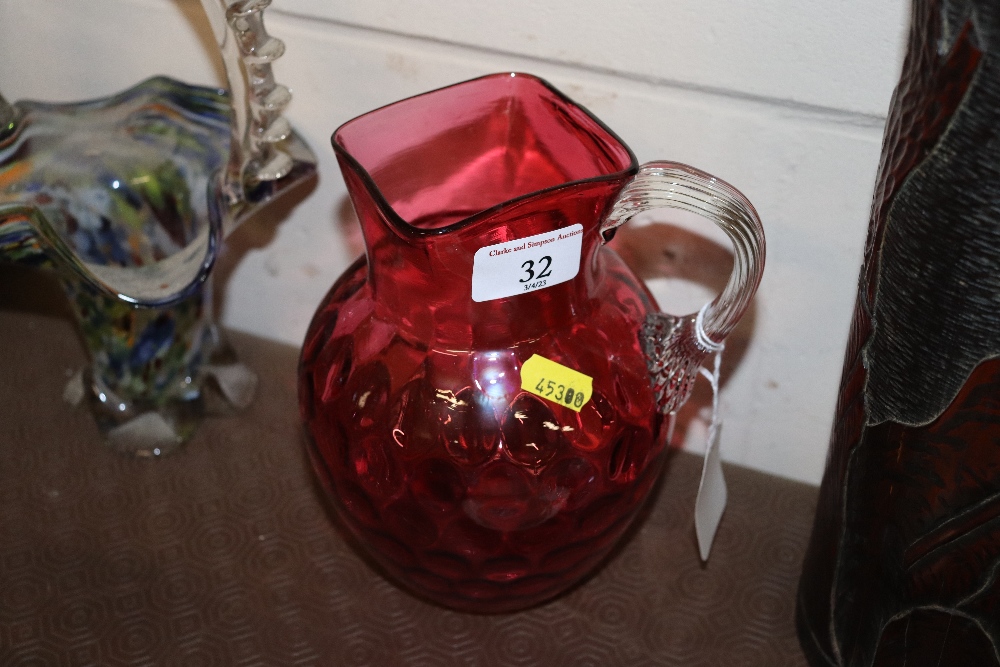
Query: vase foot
x,y
146,428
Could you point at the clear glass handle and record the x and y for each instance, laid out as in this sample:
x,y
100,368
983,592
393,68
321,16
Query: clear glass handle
x,y
676,345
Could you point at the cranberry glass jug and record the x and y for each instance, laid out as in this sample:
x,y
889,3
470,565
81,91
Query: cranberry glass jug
x,y
485,394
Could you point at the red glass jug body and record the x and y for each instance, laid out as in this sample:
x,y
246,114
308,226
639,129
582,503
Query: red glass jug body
x,y
472,491
476,391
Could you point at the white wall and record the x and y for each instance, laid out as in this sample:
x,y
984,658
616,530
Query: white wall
x,y
784,99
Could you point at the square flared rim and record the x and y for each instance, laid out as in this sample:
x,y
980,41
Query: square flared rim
x,y
409,229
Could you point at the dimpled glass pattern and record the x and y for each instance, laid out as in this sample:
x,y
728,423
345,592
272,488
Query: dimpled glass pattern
x,y
468,489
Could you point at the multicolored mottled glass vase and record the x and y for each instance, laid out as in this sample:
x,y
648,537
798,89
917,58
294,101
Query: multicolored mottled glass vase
x,y
485,394
130,197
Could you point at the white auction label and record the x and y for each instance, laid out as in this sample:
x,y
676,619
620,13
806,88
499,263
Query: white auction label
x,y
526,265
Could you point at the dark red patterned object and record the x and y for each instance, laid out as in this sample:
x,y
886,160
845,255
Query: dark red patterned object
x,y
473,492
903,563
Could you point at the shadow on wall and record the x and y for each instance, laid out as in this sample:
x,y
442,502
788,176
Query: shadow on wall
x,y
194,14
255,233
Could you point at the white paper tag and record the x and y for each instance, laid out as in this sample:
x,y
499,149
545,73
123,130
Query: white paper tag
x,y
711,500
712,493
526,265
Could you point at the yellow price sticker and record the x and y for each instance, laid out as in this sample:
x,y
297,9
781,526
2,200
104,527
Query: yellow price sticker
x,y
555,382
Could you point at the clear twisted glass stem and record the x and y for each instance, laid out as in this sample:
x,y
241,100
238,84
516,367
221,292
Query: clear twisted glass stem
x,y
258,101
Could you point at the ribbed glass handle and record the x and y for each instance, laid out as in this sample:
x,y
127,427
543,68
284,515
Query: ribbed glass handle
x,y
676,345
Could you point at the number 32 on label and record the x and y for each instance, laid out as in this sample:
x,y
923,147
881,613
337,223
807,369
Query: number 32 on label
x,y
532,281
555,382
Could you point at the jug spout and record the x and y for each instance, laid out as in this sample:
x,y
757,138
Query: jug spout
x,y
438,178
438,159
